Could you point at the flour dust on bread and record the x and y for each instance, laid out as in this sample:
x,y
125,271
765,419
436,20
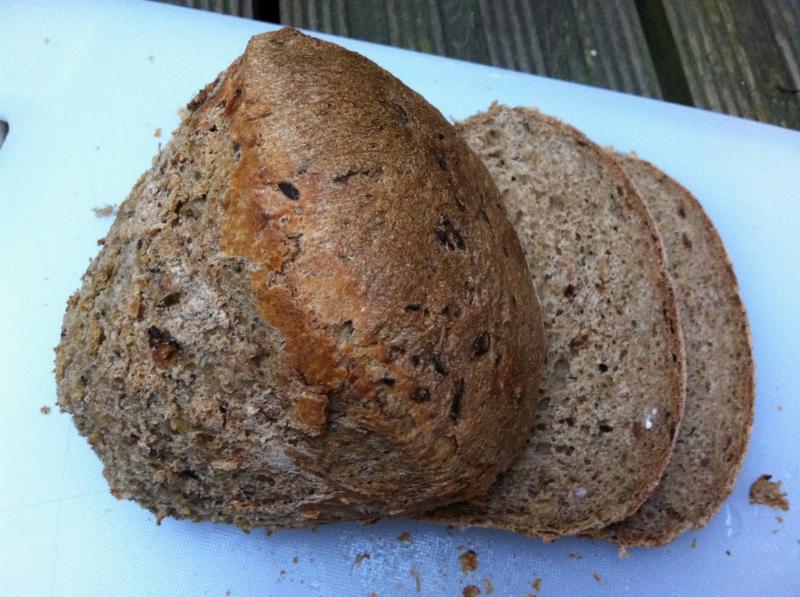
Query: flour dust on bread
x,y
718,416
613,384
311,308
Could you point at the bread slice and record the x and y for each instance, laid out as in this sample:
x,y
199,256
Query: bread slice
x,y
613,383
720,389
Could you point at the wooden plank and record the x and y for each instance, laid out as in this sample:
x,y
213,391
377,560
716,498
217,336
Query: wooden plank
x,y
731,60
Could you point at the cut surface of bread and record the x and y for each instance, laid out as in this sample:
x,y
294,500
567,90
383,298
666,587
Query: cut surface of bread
x,y
720,391
613,384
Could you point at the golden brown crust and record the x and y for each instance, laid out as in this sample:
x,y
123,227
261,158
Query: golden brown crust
x,y
372,325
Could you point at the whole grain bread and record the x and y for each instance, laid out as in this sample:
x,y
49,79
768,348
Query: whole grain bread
x,y
311,308
613,385
720,390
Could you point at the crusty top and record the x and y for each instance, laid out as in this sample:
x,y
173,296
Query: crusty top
x,y
377,254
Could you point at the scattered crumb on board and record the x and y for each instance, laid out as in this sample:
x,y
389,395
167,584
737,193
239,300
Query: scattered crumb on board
x,y
417,580
727,552
157,133
373,594
596,576
151,59
768,493
469,561
105,211
779,519
404,536
47,40
573,556
471,591
537,585
780,408
228,593
45,410
360,557
488,586
295,560
694,543
282,573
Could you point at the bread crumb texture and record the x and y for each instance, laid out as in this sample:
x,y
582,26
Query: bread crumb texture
x,y
311,308
613,386
766,492
468,561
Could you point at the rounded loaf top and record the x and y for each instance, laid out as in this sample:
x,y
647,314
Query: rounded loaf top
x,y
312,308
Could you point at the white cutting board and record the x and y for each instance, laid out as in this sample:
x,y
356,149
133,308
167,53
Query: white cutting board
x,y
84,85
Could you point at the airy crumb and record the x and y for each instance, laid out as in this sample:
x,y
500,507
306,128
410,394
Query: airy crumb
x,y
360,557
469,561
573,556
596,576
417,580
45,410
404,536
105,211
157,133
768,493
488,586
471,591
537,585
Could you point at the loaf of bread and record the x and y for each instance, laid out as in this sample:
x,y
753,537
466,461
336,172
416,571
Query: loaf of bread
x,y
311,308
613,385
713,437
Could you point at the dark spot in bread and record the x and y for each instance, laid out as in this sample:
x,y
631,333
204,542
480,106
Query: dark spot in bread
x,y
236,148
162,346
681,211
569,292
289,190
416,360
387,379
602,367
448,235
169,300
438,136
421,395
441,163
438,366
395,352
481,344
579,341
687,242
402,116
189,474
212,128
455,404
411,307
605,428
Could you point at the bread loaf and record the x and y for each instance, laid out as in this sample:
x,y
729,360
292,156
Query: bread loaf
x,y
613,385
720,387
311,308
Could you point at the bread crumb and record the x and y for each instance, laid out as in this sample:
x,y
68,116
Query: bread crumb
x,y
282,573
727,552
415,573
694,543
471,591
488,586
45,410
469,561
360,557
780,408
105,211
573,556
157,133
404,536
623,552
768,493
537,585
779,519
596,576
227,593
46,40
373,594
295,560
151,59
774,531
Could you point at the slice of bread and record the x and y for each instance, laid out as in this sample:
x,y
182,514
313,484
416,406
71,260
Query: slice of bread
x,y
720,387
614,379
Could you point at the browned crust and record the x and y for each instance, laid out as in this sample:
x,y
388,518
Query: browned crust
x,y
746,375
330,297
650,481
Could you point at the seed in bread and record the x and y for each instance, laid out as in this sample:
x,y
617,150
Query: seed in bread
x,y
613,385
720,390
312,308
